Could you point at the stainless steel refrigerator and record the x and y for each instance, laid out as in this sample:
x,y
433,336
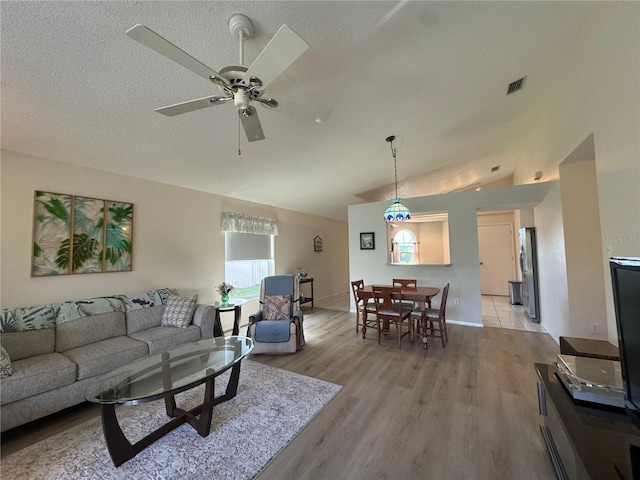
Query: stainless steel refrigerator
x,y
529,267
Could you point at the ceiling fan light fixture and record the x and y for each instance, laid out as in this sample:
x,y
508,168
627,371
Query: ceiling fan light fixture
x,y
239,83
396,211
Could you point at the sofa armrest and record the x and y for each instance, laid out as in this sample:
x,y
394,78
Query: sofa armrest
x,y
255,316
297,313
205,318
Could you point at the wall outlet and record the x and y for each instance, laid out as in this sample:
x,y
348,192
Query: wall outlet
x,y
595,328
456,301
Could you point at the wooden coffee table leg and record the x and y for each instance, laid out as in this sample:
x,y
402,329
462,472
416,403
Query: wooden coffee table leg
x,y
121,449
118,446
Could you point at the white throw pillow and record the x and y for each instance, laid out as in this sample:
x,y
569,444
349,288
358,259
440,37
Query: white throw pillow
x,y
5,364
178,311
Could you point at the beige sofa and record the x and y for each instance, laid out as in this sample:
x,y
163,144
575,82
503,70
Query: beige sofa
x,y
55,351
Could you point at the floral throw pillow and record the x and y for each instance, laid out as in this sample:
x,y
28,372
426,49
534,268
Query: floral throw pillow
x,y
178,311
276,307
5,364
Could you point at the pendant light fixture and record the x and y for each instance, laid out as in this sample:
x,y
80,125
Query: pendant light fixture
x,y
396,212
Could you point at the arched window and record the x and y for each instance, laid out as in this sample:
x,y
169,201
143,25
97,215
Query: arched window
x,y
405,247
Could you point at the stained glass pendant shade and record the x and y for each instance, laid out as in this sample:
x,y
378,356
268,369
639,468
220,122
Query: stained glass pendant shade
x,y
396,212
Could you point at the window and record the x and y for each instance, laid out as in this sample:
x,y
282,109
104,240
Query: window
x,y
404,247
248,259
424,240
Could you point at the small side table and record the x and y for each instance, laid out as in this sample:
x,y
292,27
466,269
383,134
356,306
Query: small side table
x,y
587,347
236,309
303,298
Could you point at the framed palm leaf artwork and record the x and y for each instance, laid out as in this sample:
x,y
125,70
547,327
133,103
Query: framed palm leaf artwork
x,y
73,234
88,235
119,237
51,233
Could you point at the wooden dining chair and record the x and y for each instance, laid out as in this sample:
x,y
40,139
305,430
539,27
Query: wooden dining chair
x,y
365,310
406,282
389,309
428,318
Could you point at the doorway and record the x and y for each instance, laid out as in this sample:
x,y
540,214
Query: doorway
x,y
497,258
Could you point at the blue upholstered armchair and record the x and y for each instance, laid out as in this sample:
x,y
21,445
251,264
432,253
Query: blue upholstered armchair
x,y
277,326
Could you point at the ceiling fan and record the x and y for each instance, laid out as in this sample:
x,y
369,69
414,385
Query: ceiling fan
x,y
237,82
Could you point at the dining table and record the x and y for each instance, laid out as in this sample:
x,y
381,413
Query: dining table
x,y
420,295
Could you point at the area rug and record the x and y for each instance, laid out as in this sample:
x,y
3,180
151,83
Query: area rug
x,y
272,405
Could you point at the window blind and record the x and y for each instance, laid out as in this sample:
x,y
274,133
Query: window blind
x,y
247,246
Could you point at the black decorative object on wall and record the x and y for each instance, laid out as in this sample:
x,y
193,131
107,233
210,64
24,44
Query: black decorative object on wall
x,y
368,241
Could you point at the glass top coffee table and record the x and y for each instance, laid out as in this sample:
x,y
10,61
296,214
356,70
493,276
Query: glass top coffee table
x,y
162,376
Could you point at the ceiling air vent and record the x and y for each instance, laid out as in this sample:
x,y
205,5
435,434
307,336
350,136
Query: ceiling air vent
x,y
513,87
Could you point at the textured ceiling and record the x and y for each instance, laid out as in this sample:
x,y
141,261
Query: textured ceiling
x,y
75,88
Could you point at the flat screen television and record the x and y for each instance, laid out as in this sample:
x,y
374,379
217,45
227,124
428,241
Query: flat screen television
x,y
625,278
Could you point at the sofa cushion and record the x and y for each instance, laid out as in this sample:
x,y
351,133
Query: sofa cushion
x,y
88,330
276,307
75,309
144,318
38,374
103,356
160,339
178,311
140,300
28,343
27,318
5,364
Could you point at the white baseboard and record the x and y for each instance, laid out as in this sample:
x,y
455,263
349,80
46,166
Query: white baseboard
x,y
466,324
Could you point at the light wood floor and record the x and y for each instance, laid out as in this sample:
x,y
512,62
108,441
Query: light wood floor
x,y
466,411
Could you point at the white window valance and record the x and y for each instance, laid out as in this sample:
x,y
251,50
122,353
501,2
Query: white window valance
x,y
241,223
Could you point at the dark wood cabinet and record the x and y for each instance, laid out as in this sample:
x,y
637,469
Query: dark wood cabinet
x,y
584,440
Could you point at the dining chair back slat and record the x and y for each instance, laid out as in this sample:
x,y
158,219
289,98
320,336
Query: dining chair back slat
x,y
405,282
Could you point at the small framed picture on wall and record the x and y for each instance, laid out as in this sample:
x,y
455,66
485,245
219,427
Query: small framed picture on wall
x,y
368,241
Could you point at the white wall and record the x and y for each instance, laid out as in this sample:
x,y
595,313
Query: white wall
x,y
598,93
464,272
177,238
552,278
583,246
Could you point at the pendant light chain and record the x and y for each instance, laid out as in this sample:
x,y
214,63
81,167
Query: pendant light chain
x,y
396,211
395,166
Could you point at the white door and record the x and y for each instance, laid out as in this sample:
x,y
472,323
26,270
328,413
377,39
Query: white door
x,y
497,263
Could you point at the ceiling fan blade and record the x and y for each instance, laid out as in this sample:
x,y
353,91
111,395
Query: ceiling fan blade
x,y
251,125
151,39
281,51
304,110
192,105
